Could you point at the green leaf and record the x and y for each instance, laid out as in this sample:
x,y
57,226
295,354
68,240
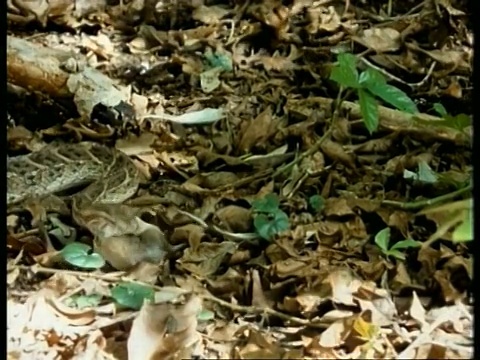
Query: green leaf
x,y
267,227
406,244
440,109
371,77
369,109
345,71
317,203
205,315
458,122
224,61
382,239
407,174
395,253
132,295
464,231
393,96
426,174
269,204
83,301
78,254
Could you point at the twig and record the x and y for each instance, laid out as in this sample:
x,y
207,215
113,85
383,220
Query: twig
x,y
266,310
424,203
397,79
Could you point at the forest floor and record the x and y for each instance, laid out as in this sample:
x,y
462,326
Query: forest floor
x,y
308,164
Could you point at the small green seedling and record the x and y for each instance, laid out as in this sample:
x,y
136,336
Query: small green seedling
x,y
268,219
382,239
83,301
131,295
457,122
369,85
316,203
424,175
78,254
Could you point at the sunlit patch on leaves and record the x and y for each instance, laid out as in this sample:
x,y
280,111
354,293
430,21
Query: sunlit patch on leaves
x,y
369,85
464,231
83,301
269,219
317,203
425,174
131,295
366,331
382,240
456,218
78,254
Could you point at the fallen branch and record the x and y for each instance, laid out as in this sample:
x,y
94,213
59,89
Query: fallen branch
x,y
60,74
390,119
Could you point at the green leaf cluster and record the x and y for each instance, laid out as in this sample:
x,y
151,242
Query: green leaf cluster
x,y
268,218
369,85
382,239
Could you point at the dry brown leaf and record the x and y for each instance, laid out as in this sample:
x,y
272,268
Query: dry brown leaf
x,y
337,207
192,234
207,258
234,219
257,131
258,347
214,180
165,331
322,18
335,152
258,296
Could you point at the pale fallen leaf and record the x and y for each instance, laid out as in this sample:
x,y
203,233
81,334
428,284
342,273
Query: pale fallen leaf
x,y
201,117
332,336
380,39
165,331
417,311
209,14
136,145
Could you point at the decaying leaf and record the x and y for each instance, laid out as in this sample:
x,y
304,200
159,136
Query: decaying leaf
x,y
165,331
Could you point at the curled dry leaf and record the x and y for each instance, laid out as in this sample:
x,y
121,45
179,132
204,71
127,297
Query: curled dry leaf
x,y
234,218
190,233
207,258
257,131
335,152
214,180
380,39
127,250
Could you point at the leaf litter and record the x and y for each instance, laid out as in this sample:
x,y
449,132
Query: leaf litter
x,y
308,164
